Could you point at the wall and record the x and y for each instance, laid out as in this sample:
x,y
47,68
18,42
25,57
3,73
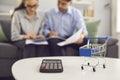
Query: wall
x,y
116,20
7,5
46,4
114,17
118,16
103,14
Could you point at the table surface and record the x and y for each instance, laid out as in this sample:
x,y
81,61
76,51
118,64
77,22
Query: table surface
x,y
28,69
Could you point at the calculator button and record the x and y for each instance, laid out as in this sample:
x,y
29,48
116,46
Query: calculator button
x,y
55,66
47,66
42,67
59,66
51,66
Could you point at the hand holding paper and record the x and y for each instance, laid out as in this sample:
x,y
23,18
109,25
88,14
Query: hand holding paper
x,y
72,39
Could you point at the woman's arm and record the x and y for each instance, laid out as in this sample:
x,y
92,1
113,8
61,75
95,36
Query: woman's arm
x,y
16,28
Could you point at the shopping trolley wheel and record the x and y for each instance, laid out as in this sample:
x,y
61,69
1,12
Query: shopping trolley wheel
x,y
82,67
94,70
103,65
88,63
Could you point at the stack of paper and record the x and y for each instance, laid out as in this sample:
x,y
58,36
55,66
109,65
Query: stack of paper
x,y
37,41
71,39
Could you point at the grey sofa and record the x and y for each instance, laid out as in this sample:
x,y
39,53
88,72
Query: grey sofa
x,y
9,53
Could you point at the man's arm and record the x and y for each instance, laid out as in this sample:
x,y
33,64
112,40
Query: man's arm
x,y
15,28
46,28
80,24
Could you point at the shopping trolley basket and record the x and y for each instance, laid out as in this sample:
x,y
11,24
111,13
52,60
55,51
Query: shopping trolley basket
x,y
95,49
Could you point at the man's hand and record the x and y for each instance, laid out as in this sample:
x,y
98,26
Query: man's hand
x,y
79,41
53,34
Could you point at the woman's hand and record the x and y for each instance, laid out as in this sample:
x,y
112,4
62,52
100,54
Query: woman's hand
x,y
30,36
40,36
26,37
53,34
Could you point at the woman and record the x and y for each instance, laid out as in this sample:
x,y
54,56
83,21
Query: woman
x,y
26,24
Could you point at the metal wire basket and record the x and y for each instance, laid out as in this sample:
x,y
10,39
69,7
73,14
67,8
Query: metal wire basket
x,y
95,49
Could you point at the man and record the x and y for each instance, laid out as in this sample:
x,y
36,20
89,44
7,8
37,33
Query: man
x,y
62,22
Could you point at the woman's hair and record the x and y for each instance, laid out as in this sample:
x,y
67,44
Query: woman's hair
x,y
21,6
68,0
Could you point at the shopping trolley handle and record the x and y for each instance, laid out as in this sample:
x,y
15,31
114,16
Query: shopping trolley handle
x,y
106,38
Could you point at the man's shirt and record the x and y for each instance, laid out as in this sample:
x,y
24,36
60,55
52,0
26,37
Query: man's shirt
x,y
64,23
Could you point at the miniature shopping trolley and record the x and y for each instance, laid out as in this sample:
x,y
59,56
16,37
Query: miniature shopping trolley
x,y
95,49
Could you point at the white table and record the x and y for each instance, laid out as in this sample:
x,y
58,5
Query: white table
x,y
28,69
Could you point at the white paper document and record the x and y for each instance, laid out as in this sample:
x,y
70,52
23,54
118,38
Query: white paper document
x,y
41,41
36,42
71,39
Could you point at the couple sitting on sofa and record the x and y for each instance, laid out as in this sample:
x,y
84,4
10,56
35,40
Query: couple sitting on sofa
x,y
62,21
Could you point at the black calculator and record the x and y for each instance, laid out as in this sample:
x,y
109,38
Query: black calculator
x,y
51,66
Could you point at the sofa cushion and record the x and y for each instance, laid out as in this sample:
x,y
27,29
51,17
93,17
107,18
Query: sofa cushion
x,y
92,27
8,50
112,42
2,35
5,22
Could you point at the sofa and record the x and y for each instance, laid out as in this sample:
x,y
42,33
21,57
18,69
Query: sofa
x,y
9,53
